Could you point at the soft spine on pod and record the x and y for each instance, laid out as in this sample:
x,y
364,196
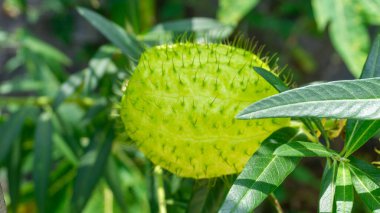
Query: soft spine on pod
x,y
180,105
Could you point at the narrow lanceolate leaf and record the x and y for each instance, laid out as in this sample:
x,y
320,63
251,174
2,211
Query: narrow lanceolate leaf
x,y
98,66
44,50
232,11
207,196
42,159
68,88
372,171
372,65
349,35
357,99
14,174
91,169
368,190
272,79
326,197
303,149
112,177
127,42
344,193
280,86
359,132
263,173
10,130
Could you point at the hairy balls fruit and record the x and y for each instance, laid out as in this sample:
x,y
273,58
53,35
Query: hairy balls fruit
x,y
180,106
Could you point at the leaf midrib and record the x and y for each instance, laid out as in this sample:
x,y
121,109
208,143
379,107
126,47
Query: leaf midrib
x,y
311,102
271,161
344,188
323,151
258,178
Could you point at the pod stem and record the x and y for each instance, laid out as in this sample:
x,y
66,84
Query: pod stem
x,y
160,190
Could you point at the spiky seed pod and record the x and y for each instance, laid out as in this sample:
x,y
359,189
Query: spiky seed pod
x,y
180,107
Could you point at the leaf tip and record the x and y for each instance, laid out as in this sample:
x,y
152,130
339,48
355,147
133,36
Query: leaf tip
x,y
243,115
81,10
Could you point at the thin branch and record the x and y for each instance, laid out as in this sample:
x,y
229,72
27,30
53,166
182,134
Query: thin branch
x,y
275,203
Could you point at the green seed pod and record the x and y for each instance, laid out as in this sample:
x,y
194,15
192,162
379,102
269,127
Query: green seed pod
x,y
180,107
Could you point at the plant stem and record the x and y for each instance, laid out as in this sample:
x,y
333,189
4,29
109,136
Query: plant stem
x,y
275,203
160,189
108,200
323,132
3,207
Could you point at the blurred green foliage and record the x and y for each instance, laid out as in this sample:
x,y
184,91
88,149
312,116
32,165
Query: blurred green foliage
x,y
62,147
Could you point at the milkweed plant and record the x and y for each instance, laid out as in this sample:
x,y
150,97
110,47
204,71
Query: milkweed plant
x,y
206,109
202,108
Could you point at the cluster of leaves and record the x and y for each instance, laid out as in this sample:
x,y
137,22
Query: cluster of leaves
x,y
355,100
59,141
57,144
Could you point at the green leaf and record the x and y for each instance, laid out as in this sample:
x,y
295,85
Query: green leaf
x,y
280,86
369,10
272,79
10,131
207,195
44,75
14,63
19,85
344,193
62,147
359,132
68,88
349,35
372,171
263,173
232,11
208,27
127,42
92,165
347,29
355,99
44,50
3,37
323,12
368,190
60,186
303,149
113,180
372,65
326,197
98,66
14,174
42,159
